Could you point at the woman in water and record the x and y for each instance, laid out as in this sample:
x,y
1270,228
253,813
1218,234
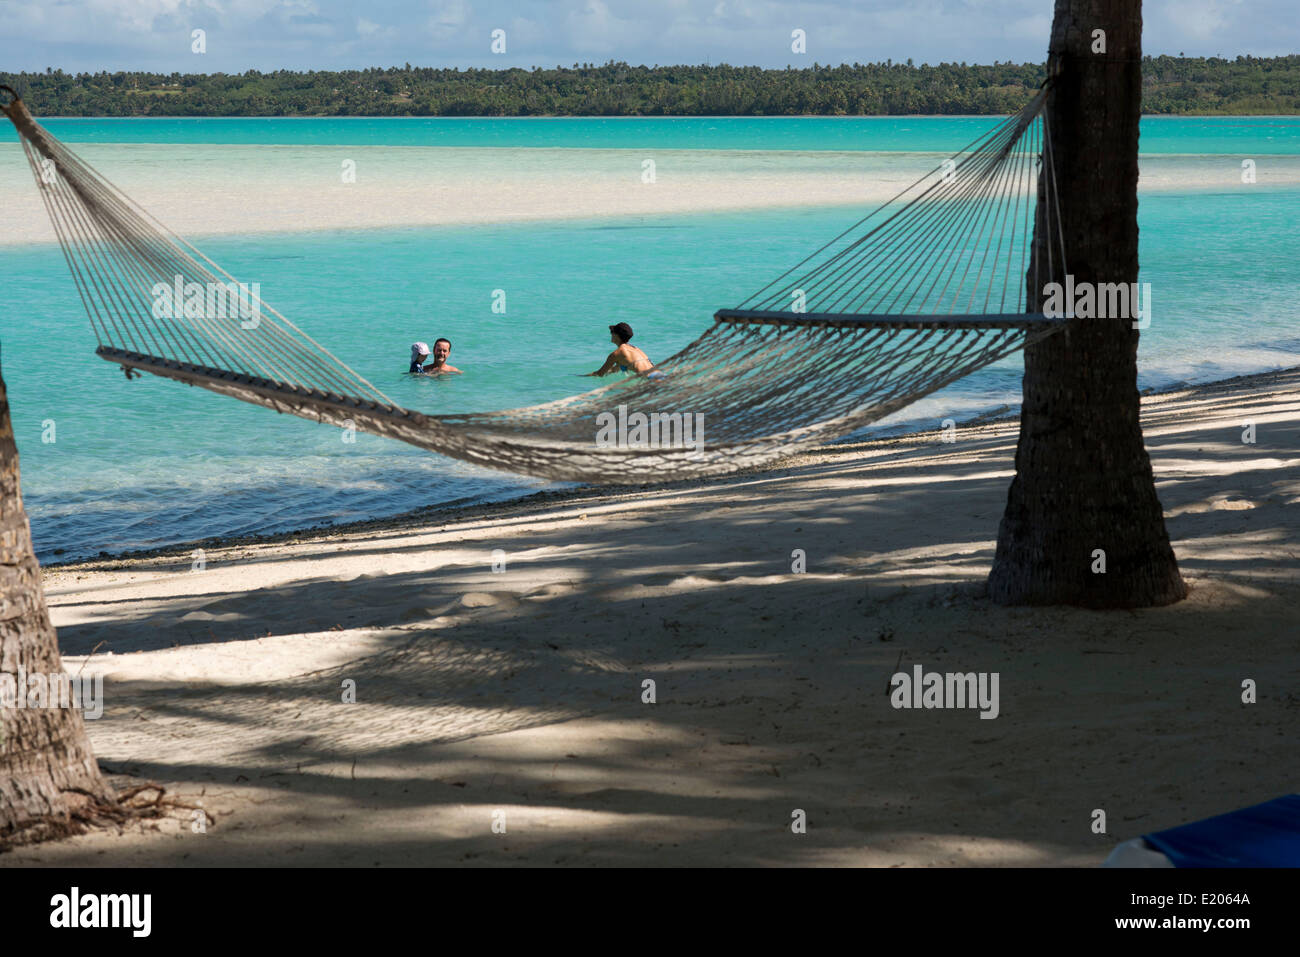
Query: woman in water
x,y
626,357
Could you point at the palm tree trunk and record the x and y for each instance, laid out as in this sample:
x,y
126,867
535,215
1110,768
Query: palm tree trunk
x,y
1084,495
47,770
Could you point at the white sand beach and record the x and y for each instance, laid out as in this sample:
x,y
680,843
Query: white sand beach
x,y
210,189
520,691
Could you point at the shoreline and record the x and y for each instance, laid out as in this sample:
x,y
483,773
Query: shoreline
x,y
535,502
500,664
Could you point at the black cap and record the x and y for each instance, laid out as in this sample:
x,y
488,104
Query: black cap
x,y
622,330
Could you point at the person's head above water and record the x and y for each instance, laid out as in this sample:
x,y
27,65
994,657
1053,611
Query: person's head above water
x,y
620,333
441,349
418,351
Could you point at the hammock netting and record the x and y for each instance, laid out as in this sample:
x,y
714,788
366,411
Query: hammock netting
x,y
941,280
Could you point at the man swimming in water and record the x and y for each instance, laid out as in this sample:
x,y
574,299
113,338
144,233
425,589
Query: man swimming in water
x,y
627,357
439,366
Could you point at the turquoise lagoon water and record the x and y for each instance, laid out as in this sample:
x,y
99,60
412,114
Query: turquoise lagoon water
x,y
149,462
1248,135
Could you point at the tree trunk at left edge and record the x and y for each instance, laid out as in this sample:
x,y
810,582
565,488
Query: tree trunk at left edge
x,y
47,769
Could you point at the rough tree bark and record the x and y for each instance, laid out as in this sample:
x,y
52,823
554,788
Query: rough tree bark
x,y
48,773
1083,477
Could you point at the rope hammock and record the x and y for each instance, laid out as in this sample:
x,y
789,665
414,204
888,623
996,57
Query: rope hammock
x,y
934,284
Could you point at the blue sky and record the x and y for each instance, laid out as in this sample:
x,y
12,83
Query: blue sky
x,y
155,35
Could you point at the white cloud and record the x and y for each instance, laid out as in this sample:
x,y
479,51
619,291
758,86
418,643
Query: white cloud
x,y
375,31
1034,28
448,16
1200,18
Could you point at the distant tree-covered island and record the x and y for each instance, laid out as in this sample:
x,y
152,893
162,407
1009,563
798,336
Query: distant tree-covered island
x,y
1171,85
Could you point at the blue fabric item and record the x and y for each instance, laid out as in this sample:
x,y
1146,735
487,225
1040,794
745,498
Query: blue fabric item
x,y
1265,835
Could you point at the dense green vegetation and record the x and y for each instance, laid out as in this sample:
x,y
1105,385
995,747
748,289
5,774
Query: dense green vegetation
x,y
1170,85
